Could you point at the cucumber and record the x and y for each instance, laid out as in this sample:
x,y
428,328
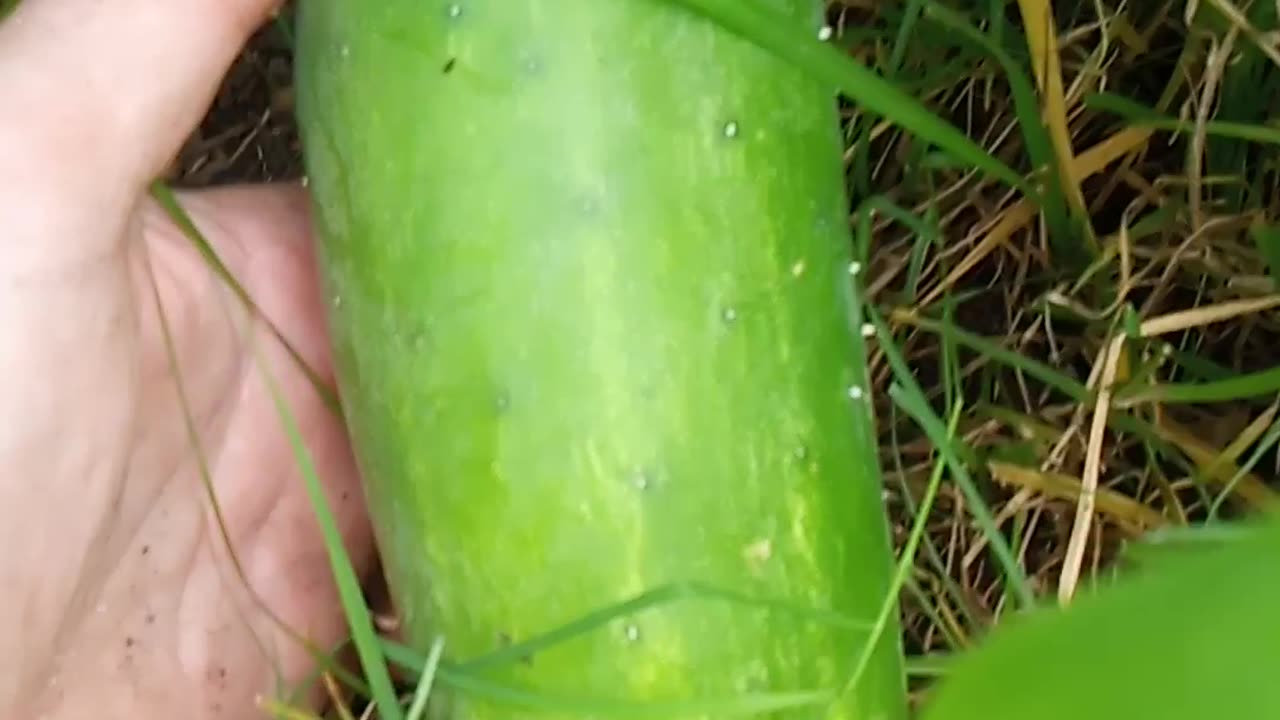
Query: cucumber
x,y
588,269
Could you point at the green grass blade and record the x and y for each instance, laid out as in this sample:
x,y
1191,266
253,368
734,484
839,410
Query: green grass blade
x,y
178,215
906,25
936,430
885,206
1266,237
1268,440
423,692
1196,366
1240,387
825,64
1141,115
1034,133
1175,540
1069,387
926,232
933,665
652,598
327,663
745,705
906,563
350,593
1046,374
164,195
960,598
285,28
464,676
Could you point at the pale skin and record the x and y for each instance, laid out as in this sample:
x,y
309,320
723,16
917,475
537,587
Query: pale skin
x,y
117,598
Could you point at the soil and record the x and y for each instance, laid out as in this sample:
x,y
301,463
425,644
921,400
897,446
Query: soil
x,y
249,133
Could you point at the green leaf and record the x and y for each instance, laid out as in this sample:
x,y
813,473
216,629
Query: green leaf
x,y
1187,638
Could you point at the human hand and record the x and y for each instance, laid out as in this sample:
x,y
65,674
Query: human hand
x,y
119,600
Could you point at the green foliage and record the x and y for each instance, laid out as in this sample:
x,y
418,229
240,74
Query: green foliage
x,y
1266,237
1186,636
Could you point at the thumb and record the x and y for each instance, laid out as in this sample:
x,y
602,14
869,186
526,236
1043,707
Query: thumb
x,y
116,85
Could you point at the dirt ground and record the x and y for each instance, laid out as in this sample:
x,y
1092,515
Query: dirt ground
x,y
249,134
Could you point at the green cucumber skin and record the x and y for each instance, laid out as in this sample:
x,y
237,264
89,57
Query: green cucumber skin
x,y
588,269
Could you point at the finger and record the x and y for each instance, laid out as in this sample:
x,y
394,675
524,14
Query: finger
x,y
109,89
